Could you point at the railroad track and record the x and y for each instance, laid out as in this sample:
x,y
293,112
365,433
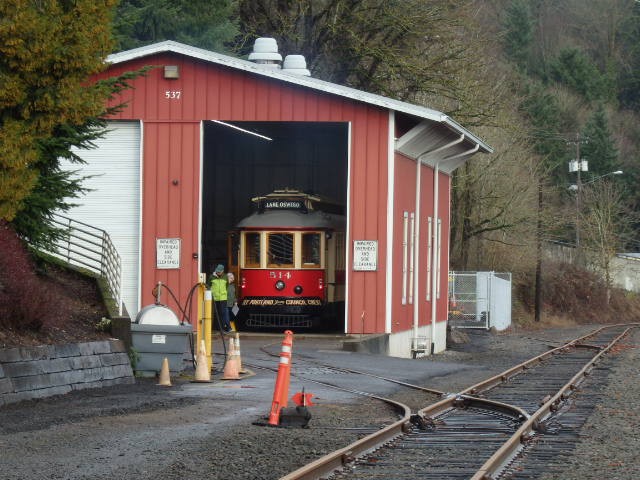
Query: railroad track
x,y
507,425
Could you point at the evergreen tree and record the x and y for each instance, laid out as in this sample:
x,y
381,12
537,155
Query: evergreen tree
x,y
518,32
542,111
600,150
47,52
575,69
49,110
201,23
629,73
56,188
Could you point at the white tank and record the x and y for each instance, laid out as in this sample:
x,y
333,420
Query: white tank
x,y
157,314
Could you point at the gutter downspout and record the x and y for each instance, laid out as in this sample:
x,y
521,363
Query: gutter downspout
x,y
416,244
416,248
435,250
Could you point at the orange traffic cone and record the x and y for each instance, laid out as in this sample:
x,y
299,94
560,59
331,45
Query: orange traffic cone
x,y
238,357
203,374
231,371
165,378
281,391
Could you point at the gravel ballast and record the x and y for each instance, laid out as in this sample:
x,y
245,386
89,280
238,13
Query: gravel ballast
x,y
208,431
609,440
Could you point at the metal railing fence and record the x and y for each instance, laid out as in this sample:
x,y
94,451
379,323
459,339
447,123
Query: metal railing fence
x,y
91,248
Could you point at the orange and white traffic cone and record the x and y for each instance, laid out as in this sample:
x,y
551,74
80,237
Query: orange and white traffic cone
x,y
165,377
281,391
238,356
231,371
203,374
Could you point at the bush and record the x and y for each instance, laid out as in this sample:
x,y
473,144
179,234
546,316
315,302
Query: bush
x,y
570,291
24,304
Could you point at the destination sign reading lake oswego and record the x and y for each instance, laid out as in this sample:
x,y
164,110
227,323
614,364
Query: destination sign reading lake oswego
x,y
282,205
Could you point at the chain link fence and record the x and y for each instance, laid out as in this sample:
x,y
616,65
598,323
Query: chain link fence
x,y
479,300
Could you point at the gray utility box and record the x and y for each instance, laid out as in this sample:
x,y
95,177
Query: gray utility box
x,y
155,342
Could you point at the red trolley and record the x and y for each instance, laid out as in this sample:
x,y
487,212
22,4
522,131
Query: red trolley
x,y
289,257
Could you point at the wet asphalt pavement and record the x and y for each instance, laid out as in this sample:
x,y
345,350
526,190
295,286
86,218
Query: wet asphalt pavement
x,y
208,431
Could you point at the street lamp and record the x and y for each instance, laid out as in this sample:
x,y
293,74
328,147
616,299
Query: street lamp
x,y
574,187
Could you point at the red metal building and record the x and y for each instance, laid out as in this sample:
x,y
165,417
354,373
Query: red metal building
x,y
392,162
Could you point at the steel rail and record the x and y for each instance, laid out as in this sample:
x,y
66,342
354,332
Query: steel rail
x,y
372,375
510,449
338,459
521,367
358,372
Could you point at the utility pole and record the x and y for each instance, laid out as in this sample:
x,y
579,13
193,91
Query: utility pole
x,y
538,292
578,165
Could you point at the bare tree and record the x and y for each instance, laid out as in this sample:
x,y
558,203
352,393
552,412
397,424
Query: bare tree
x,y
411,50
605,220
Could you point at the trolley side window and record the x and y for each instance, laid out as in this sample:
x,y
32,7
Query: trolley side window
x,y
252,250
280,250
311,250
233,247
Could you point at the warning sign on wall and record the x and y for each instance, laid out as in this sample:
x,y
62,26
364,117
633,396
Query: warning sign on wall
x,y
167,253
365,255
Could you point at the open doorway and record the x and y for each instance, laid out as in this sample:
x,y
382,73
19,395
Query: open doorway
x,y
242,160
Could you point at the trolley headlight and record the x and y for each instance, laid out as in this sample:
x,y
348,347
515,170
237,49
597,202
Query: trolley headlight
x,y
280,285
297,289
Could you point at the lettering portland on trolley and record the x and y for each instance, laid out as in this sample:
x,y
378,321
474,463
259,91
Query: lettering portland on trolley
x,y
272,302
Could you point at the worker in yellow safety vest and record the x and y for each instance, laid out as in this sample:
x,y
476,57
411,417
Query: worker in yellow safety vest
x,y
219,292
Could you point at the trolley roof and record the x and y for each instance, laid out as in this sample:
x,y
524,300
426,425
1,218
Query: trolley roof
x,y
293,219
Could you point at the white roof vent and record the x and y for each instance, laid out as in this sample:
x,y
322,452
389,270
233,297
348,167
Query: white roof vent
x,y
265,52
295,64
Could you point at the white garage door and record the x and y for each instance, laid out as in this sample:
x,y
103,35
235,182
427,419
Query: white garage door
x,y
113,204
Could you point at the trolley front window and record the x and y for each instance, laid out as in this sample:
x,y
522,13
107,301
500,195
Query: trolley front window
x,y
311,250
280,250
252,250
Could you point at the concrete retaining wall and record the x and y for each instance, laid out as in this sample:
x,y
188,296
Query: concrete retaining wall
x,y
36,372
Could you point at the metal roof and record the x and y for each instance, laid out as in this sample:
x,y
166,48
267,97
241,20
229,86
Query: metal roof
x,y
308,82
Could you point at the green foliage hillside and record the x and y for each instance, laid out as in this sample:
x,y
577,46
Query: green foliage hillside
x,y
545,82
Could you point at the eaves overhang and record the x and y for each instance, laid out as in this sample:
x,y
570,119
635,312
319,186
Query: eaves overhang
x,y
434,144
432,117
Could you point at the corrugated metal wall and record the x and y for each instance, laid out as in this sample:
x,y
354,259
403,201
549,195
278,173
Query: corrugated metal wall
x,y
406,290
444,208
426,212
113,202
404,204
172,110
